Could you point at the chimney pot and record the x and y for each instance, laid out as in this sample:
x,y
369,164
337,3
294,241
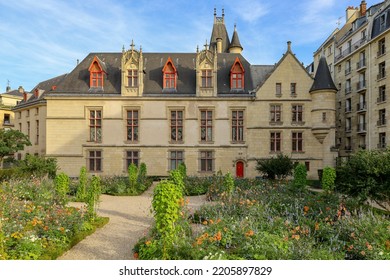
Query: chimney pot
x,y
289,46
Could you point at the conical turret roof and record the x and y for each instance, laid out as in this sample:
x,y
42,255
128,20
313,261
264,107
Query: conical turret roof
x,y
323,78
235,40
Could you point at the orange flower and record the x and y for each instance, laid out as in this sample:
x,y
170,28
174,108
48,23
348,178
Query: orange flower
x,y
295,236
135,255
306,208
387,244
147,243
369,246
317,226
249,233
204,222
211,222
218,236
363,253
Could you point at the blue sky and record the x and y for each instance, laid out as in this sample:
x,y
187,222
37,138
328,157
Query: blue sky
x,y
41,39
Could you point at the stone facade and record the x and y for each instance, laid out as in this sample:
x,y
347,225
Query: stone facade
x,y
212,110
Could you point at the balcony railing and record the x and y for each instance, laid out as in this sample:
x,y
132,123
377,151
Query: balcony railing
x,y
361,64
381,122
348,109
361,85
362,106
347,70
348,90
361,127
351,48
381,98
381,52
381,75
348,128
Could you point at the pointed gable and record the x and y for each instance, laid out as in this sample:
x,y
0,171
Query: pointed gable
x,y
169,76
323,78
97,69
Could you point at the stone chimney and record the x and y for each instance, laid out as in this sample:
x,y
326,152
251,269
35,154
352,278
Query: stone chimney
x,y
289,46
21,89
24,96
351,10
363,8
219,45
8,88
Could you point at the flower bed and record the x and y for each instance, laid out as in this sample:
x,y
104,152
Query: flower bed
x,y
264,220
34,224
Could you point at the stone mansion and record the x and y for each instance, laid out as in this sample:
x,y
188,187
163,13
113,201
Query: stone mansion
x,y
211,109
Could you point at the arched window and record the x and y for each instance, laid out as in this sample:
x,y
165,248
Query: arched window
x,y
237,76
96,70
169,76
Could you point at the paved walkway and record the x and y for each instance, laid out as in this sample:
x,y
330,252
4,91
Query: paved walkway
x,y
130,219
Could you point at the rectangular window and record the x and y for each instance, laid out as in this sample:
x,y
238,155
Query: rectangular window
x,y
36,111
382,140
95,161
169,80
7,119
132,125
275,113
176,126
28,130
382,117
381,47
278,89
382,94
293,89
297,141
237,126
297,113
348,105
275,141
206,161
237,80
206,125
348,87
132,157
348,124
382,70
175,158
96,79
132,78
206,78
307,164
95,126
37,132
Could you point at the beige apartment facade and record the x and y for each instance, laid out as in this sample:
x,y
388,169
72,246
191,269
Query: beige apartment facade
x,y
211,109
360,73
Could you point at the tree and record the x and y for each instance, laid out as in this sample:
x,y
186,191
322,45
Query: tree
x,y
280,166
12,141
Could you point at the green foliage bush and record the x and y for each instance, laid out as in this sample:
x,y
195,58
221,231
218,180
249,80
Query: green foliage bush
x,y
166,212
94,191
197,185
365,175
81,193
328,179
61,184
300,177
183,170
280,166
38,166
133,176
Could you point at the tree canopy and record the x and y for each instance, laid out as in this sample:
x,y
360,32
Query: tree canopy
x,y
12,141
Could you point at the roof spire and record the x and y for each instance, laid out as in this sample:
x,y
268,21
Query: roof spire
x,y
206,45
132,45
235,45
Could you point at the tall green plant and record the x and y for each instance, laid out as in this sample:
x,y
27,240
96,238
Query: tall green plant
x,y
328,179
93,194
177,178
133,175
166,210
300,177
280,166
228,184
183,170
61,183
82,186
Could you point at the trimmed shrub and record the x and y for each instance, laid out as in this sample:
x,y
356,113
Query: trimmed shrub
x,y
280,166
328,179
82,186
300,175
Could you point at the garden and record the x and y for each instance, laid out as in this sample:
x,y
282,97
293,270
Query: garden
x,y
37,219
272,219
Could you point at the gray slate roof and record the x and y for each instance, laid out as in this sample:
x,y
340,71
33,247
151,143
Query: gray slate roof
x,y
323,78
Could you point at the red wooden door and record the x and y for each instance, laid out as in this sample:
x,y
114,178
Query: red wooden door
x,y
239,169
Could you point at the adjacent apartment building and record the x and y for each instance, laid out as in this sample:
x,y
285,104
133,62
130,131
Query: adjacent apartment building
x,y
360,60
211,109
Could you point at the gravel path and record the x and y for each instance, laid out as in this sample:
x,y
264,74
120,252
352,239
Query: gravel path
x,y
130,219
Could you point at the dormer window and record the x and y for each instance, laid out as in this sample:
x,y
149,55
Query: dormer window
x,y
169,76
237,76
96,70
132,78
